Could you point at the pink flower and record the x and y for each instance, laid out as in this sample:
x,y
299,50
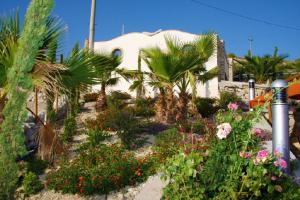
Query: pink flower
x,y
274,178
223,130
233,106
280,163
259,133
262,155
245,154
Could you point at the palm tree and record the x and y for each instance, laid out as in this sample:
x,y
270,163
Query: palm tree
x,y
168,67
264,68
200,51
44,70
107,78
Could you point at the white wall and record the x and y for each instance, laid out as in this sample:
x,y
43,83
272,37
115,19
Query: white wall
x,y
131,43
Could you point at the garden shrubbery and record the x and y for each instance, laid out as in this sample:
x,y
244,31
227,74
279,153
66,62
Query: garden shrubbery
x,y
233,167
69,129
32,184
227,97
123,121
144,107
206,106
101,170
118,100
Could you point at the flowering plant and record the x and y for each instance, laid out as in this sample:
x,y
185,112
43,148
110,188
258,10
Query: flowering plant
x,y
100,170
235,166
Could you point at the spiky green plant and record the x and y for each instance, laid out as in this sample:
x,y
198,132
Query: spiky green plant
x,y
19,85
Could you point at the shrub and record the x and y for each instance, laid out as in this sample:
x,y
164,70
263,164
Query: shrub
x,y
144,107
198,127
118,100
120,95
167,143
234,167
90,97
123,121
100,170
32,183
126,125
69,129
36,165
95,137
184,170
205,106
227,97
144,112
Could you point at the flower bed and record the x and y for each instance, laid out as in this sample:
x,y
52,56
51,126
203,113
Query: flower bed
x,y
100,170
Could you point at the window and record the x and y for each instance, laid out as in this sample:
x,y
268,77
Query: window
x,y
117,53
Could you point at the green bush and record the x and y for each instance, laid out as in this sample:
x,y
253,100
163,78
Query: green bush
x,y
36,165
120,95
144,112
118,100
127,127
206,107
95,137
227,97
32,183
124,122
69,129
90,97
144,107
100,170
184,170
167,143
197,127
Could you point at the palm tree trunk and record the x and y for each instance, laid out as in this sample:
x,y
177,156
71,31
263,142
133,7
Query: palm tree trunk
x,y
161,106
170,112
2,104
182,106
36,101
101,103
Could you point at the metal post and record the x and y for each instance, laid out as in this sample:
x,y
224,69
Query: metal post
x,y
280,121
251,91
92,25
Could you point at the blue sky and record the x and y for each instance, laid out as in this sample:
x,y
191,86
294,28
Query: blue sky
x,y
185,15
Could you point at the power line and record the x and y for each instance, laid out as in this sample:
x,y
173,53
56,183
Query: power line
x,y
246,17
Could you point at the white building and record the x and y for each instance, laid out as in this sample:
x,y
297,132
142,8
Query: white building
x,y
129,45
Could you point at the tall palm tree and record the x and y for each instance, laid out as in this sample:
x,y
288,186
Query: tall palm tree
x,y
263,68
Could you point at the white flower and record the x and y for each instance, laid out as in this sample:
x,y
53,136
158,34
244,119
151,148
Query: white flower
x,y
223,130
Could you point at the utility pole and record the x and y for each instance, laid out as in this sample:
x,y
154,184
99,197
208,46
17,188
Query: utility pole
x,y
92,25
250,39
123,29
